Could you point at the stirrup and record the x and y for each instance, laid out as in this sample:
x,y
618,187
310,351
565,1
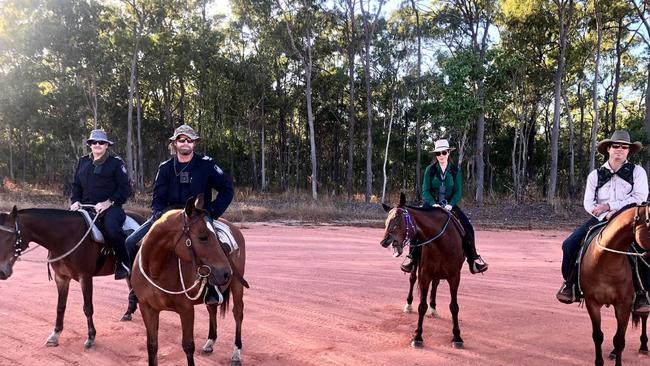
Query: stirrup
x,y
566,294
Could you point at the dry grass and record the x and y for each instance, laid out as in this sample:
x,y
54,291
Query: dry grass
x,y
299,208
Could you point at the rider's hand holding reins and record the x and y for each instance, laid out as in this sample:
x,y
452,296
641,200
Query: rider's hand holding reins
x,y
599,209
102,206
75,206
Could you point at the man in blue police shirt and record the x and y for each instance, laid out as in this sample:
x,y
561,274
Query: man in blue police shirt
x,y
185,175
101,180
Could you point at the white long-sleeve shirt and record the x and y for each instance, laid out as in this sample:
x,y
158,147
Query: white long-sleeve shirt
x,y
616,192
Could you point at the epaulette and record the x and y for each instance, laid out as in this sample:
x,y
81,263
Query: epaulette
x,y
205,157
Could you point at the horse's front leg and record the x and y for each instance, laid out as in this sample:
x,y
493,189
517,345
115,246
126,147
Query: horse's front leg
x,y
622,318
408,308
644,335
187,323
132,307
454,282
596,333
212,329
237,292
62,287
433,313
423,284
87,291
151,319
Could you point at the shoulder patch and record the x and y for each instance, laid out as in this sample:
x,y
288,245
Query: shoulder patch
x,y
118,157
123,169
207,158
216,167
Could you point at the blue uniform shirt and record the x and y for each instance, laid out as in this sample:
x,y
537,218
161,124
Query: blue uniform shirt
x,y
176,183
108,180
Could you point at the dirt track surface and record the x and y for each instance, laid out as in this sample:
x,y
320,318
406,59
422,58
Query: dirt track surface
x,y
328,296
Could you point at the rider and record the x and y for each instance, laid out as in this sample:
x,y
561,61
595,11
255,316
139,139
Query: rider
x,y
443,186
185,175
101,180
615,184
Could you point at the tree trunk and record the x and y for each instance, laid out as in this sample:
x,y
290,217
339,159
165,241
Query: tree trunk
x,y
572,178
11,155
140,176
563,9
129,122
418,144
352,42
594,128
263,159
390,128
310,121
617,71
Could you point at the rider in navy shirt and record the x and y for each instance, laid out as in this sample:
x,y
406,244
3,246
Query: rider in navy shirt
x,y
187,174
101,180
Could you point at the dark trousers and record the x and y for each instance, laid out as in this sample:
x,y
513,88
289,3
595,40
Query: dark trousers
x,y
469,244
572,244
135,237
111,223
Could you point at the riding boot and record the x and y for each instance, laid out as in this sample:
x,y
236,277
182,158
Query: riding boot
x,y
475,262
412,259
569,292
641,275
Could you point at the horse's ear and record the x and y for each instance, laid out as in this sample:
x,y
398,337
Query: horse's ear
x,y
189,206
386,207
402,199
198,203
14,212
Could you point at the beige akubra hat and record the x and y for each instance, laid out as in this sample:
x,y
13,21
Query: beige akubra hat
x,y
620,137
442,145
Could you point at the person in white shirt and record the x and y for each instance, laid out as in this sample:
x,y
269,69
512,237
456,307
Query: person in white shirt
x,y
614,185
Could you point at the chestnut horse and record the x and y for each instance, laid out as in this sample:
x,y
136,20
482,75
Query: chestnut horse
x,y
442,254
61,233
179,261
606,276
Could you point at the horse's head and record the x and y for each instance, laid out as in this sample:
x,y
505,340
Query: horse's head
x,y
641,225
397,229
199,244
8,240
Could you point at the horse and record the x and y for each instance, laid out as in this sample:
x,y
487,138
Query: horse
x,y
442,254
60,232
606,276
181,245
408,307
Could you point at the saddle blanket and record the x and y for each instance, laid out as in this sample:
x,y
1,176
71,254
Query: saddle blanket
x,y
130,225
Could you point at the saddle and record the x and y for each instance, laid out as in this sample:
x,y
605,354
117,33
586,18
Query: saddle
x,y
129,226
224,235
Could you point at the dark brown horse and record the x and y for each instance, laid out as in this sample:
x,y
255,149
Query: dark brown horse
x,y
441,259
181,258
408,307
606,276
60,232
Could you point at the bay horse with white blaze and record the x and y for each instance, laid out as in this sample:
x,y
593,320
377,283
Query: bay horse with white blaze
x,y
606,276
442,254
179,261
61,233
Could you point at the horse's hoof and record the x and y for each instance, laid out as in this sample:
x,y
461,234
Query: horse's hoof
x,y
52,340
458,345
236,356
235,363
89,344
643,352
612,356
126,317
51,343
417,344
433,313
207,347
408,309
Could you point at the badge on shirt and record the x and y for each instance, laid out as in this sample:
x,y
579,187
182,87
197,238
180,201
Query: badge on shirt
x,y
184,177
123,169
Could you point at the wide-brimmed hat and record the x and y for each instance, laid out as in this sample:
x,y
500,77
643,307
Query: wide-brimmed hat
x,y
442,145
98,135
620,137
185,130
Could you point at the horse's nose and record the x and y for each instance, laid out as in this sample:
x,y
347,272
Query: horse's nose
x,y
387,240
226,276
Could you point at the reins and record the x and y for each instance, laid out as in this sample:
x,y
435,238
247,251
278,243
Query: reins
x,y
628,253
410,224
201,279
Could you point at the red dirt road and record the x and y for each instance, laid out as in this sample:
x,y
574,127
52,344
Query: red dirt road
x,y
328,296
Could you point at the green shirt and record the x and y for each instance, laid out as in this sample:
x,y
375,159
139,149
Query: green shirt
x,y
432,182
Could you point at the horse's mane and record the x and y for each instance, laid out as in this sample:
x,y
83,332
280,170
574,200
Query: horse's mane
x,y
624,208
50,212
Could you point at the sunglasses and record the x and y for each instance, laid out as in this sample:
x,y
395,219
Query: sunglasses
x,y
443,153
619,146
184,140
97,142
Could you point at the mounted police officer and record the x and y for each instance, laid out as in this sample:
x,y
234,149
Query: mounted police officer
x,y
614,185
101,180
443,187
185,175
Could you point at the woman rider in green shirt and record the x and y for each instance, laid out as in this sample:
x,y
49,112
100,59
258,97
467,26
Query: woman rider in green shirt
x,y
443,186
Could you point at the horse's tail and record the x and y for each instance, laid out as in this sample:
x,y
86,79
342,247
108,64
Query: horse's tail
x,y
636,319
225,305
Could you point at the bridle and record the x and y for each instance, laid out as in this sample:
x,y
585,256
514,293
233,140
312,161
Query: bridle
x,y
18,243
637,218
202,275
411,230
